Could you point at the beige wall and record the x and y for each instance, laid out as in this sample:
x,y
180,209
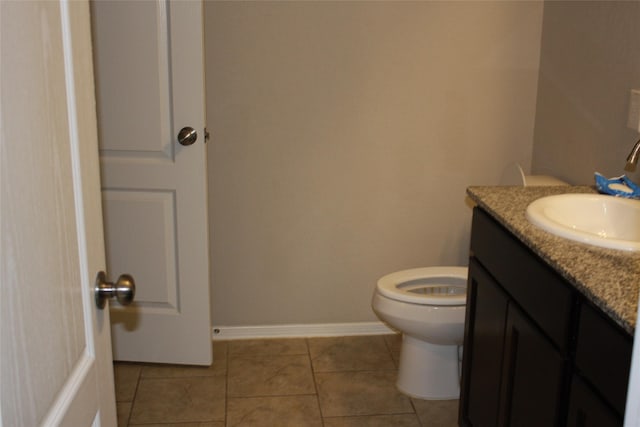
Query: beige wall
x,y
344,135
589,62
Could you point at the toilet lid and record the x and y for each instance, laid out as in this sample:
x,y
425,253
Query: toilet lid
x,y
426,286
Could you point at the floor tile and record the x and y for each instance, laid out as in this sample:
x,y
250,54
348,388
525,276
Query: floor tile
x,y
394,343
268,347
362,353
126,380
281,411
270,376
437,413
205,424
173,400
123,409
178,371
350,381
360,393
403,420
218,367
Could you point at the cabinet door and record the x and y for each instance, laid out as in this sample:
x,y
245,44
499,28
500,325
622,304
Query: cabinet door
x,y
486,315
603,356
532,375
586,409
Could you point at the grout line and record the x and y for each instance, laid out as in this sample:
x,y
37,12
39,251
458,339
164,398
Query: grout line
x,y
315,382
135,394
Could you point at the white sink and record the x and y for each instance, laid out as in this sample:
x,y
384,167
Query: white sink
x,y
595,219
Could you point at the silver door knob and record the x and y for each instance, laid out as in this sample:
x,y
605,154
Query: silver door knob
x,y
123,290
187,136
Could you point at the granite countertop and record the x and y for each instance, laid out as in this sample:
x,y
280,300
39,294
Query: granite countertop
x,y
609,278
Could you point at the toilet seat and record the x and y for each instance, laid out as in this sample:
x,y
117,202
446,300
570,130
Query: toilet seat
x,y
446,286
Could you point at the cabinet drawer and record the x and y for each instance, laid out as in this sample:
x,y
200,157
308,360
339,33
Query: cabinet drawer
x,y
603,356
538,289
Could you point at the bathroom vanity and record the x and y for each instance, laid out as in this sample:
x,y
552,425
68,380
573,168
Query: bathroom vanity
x,y
549,324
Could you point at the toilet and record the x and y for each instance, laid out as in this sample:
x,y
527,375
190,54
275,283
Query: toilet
x,y
428,306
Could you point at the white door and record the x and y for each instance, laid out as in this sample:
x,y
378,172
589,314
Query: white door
x,y
55,359
150,84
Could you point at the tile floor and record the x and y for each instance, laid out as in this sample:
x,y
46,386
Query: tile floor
x,y
330,382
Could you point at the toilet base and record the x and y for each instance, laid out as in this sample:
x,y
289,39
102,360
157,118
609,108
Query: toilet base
x,y
428,371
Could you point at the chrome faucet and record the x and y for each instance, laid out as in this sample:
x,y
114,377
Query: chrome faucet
x,y
632,159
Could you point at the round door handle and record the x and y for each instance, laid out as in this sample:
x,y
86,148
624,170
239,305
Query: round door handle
x,y
187,136
123,290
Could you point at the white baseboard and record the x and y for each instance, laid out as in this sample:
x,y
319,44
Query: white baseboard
x,y
299,331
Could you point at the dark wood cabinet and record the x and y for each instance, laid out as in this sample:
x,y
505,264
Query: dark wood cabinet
x,y
532,376
483,347
603,356
536,352
601,374
512,375
588,409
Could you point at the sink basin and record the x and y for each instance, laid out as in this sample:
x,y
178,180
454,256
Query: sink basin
x,y
595,219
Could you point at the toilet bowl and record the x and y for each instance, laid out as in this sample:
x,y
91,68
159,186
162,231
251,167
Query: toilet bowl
x,y
427,305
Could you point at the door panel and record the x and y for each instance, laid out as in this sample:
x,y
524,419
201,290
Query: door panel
x,y
130,215
133,71
56,365
150,84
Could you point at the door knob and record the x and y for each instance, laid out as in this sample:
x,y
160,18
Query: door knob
x,y
123,290
187,136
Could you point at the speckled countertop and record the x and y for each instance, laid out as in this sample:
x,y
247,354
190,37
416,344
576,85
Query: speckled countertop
x,y
609,278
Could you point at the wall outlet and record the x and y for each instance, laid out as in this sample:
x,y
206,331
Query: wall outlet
x,y
634,110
